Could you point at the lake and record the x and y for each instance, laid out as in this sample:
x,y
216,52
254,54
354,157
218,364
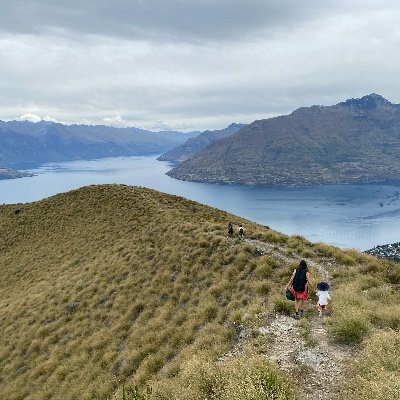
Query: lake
x,y
348,216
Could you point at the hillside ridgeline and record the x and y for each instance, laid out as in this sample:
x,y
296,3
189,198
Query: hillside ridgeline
x,y
194,145
114,284
356,141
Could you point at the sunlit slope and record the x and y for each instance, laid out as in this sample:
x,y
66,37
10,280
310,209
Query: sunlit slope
x,y
108,283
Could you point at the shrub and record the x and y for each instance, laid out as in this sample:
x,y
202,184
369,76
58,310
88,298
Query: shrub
x,y
345,259
263,288
264,271
350,329
283,306
210,311
368,282
387,317
324,249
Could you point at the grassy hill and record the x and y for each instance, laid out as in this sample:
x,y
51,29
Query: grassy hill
x,y
114,284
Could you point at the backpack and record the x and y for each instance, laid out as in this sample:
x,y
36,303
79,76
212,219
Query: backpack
x,y
300,280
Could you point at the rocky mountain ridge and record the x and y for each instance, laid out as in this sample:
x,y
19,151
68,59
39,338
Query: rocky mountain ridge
x,y
356,141
196,144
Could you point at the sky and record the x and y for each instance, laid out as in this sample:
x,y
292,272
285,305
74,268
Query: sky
x,y
192,64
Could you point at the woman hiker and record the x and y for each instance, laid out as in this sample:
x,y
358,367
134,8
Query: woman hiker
x,y
299,283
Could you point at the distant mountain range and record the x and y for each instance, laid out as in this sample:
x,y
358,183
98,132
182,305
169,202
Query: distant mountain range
x,y
24,143
355,141
196,144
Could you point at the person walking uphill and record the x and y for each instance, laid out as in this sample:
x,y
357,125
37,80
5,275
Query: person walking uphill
x,y
299,283
230,229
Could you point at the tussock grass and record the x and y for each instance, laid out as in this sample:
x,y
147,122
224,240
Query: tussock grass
x,y
366,313
244,378
377,372
114,284
110,284
364,303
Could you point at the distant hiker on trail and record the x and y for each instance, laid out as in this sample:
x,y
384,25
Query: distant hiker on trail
x,y
230,229
241,231
323,296
299,283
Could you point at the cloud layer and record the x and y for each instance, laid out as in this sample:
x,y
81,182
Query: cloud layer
x,y
191,64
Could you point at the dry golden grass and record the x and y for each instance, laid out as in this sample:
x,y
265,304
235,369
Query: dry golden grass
x,y
114,284
244,378
366,313
377,372
111,284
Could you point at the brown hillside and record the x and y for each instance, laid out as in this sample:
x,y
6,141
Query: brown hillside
x,y
108,283
114,284
357,141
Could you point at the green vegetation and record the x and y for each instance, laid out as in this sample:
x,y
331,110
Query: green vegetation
x,y
111,286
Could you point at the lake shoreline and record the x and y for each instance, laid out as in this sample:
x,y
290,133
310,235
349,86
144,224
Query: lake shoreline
x,y
347,216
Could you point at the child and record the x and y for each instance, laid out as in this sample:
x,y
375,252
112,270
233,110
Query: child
x,y
323,296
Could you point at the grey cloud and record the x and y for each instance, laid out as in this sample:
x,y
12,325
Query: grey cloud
x,y
225,61
160,20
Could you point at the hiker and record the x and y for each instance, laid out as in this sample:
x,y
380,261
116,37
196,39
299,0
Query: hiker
x,y
230,229
323,296
299,283
241,231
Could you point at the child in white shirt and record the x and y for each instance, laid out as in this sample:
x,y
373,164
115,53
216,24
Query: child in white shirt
x,y
323,296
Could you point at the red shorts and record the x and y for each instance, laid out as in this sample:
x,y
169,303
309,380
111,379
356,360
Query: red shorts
x,y
301,295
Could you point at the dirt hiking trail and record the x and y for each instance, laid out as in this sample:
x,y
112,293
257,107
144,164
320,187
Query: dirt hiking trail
x,y
301,347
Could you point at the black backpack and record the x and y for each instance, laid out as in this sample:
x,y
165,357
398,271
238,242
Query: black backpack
x,y
300,280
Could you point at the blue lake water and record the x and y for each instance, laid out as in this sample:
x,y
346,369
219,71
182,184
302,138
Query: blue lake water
x,y
348,216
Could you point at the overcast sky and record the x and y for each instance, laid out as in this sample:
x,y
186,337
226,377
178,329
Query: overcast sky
x,y
192,64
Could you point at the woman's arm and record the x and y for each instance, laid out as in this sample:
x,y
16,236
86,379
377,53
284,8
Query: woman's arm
x,y
291,280
308,275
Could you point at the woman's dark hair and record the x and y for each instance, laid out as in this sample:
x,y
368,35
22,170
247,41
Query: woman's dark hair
x,y
303,265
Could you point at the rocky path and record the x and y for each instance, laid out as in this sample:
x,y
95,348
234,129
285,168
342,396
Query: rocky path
x,y
317,366
302,347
